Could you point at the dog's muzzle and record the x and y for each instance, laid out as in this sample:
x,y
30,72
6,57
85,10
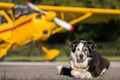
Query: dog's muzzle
x,y
80,58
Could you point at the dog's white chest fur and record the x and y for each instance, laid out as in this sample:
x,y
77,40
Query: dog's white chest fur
x,y
83,66
79,70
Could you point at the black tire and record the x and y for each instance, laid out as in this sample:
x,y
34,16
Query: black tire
x,y
53,59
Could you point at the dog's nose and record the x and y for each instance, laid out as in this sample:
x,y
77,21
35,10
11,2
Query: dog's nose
x,y
81,55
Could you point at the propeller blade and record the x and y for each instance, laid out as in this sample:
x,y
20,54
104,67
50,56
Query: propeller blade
x,y
35,8
63,24
58,21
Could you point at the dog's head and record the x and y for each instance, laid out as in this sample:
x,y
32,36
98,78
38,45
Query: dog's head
x,y
81,50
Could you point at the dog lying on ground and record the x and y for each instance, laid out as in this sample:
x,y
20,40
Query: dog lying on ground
x,y
84,61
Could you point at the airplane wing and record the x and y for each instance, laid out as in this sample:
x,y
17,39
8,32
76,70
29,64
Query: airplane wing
x,y
76,14
83,15
6,5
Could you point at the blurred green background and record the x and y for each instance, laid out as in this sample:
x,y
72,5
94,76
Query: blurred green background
x,y
105,35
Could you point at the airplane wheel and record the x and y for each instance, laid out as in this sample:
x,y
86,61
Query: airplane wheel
x,y
51,55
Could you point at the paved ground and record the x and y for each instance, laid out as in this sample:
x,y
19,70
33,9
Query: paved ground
x,y
46,71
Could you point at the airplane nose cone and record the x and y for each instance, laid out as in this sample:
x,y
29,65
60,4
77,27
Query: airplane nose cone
x,y
72,29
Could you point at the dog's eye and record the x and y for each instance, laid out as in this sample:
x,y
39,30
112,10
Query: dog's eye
x,y
78,49
85,49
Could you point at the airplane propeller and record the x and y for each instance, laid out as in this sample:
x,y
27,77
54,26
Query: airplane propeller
x,y
58,21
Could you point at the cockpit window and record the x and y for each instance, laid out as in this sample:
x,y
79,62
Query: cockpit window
x,y
20,10
2,19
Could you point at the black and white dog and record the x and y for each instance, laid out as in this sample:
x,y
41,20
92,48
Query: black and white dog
x,y
84,61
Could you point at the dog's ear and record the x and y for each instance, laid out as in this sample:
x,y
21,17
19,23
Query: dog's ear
x,y
91,45
73,45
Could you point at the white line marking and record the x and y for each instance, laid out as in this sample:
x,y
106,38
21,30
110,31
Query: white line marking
x,y
112,64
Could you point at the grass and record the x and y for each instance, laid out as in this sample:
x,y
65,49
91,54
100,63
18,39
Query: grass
x,y
40,58
114,58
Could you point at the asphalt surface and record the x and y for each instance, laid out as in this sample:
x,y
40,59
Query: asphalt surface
x,y
46,71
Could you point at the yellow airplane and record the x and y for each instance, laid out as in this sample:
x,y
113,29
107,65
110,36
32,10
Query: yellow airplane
x,y
21,24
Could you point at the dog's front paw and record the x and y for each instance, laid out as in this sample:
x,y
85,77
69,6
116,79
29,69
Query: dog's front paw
x,y
76,77
77,74
88,75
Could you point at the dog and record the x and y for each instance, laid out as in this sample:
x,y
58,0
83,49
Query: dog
x,y
84,61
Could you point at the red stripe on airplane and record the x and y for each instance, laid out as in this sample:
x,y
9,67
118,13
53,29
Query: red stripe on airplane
x,y
17,26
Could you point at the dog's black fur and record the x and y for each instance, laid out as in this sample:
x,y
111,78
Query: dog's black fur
x,y
97,64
